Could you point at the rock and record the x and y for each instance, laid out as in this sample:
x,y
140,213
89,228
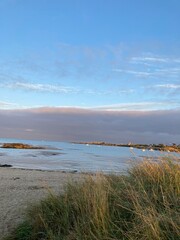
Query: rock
x,y
20,146
5,165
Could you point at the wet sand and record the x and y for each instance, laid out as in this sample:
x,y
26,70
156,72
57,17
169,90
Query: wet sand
x,y
19,188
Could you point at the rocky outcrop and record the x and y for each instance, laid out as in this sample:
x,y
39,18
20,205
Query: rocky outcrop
x,y
20,146
5,165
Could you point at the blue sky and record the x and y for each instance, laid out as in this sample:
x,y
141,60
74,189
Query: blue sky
x,y
103,54
78,70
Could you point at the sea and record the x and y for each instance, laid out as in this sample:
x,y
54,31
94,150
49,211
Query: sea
x,y
72,157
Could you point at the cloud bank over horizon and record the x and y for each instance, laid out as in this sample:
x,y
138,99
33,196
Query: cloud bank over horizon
x,y
74,124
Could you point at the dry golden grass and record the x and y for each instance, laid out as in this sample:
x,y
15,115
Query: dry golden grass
x,y
144,205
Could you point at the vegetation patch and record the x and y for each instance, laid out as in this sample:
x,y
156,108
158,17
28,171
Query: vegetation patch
x,y
144,204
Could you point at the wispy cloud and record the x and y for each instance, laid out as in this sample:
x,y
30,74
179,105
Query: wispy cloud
x,y
118,91
41,87
7,105
152,66
149,59
140,106
136,73
50,88
86,63
120,107
152,72
168,86
154,59
110,74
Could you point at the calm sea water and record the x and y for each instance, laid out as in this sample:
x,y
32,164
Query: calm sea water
x,y
72,157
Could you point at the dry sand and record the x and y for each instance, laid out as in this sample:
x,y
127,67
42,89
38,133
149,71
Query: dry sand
x,y
19,188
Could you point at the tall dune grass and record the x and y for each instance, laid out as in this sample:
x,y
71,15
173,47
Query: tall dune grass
x,y
144,204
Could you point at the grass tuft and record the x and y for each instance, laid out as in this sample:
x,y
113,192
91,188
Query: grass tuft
x,y
144,205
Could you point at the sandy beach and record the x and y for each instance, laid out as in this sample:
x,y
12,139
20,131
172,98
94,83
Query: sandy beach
x,y
19,188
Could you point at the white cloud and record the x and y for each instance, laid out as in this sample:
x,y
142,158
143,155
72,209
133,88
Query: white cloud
x,y
169,91
168,86
149,59
155,66
136,73
142,106
109,92
154,59
152,72
168,70
7,105
41,87
63,89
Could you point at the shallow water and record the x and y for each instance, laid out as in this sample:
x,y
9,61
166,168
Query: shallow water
x,y
73,157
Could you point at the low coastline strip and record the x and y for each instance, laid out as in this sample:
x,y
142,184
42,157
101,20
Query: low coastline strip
x,y
155,147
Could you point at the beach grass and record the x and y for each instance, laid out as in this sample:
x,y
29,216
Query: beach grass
x,y
143,204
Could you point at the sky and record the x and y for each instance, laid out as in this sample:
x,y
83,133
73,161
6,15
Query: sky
x,y
100,58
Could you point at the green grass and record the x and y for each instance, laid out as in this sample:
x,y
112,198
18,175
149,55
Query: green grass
x,y
144,204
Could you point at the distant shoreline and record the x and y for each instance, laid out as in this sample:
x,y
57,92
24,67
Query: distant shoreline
x,y
150,147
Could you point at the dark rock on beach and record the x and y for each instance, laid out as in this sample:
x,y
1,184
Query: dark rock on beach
x,y
5,165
